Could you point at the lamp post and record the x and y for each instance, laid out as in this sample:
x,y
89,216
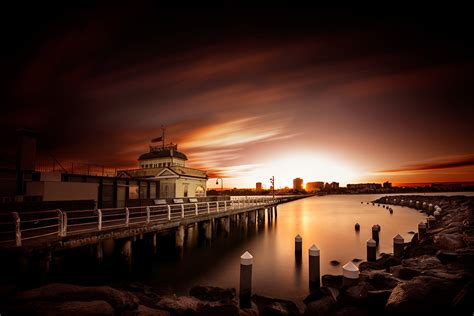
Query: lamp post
x,y
222,184
272,180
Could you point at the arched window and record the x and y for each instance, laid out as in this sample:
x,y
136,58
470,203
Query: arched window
x,y
199,191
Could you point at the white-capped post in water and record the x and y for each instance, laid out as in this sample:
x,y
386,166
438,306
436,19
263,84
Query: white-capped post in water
x,y
298,245
398,246
371,250
350,274
314,267
421,230
246,261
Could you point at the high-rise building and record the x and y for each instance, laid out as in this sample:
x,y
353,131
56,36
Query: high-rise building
x,y
258,186
314,186
387,185
298,184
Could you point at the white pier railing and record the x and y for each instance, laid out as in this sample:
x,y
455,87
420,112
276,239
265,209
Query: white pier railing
x,y
18,228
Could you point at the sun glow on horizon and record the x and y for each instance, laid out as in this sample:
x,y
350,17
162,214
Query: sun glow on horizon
x,y
310,166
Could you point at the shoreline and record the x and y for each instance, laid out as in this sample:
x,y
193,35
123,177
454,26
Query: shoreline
x,y
435,274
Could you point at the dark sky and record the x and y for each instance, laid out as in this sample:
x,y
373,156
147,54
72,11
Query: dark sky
x,y
326,93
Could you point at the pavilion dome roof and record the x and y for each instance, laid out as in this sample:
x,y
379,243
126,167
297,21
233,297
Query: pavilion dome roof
x,y
166,153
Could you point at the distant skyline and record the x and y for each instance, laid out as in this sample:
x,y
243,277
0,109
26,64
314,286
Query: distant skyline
x,y
321,94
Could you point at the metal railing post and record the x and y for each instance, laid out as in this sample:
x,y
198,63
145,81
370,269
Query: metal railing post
x,y
182,210
99,214
60,222
16,218
147,214
225,206
64,224
196,208
169,212
208,208
127,217
217,207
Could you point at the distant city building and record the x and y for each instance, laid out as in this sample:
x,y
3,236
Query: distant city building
x,y
167,164
258,186
332,185
364,186
314,186
298,184
387,185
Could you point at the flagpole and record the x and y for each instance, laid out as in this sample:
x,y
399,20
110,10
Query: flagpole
x,y
163,135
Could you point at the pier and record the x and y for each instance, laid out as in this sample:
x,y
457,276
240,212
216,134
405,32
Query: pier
x,y
57,229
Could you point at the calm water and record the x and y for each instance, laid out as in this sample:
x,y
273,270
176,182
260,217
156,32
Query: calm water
x,y
327,221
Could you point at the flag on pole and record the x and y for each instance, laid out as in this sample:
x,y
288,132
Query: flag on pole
x,y
156,140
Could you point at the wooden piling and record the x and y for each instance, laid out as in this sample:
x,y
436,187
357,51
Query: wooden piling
x,y
375,233
350,274
246,261
371,250
421,230
398,246
314,267
298,244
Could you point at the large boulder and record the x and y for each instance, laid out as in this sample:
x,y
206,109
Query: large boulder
x,y
218,309
275,307
450,242
421,295
57,292
404,273
212,293
334,281
180,305
381,280
421,263
323,306
69,308
383,263
148,311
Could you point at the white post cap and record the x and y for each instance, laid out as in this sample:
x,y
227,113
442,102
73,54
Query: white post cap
x,y
431,217
436,213
371,243
298,238
246,259
350,271
314,251
422,225
398,239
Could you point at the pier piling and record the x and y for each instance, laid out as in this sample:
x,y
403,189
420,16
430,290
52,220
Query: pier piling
x,y
431,221
375,233
421,230
314,267
350,274
398,246
298,245
371,250
127,254
246,261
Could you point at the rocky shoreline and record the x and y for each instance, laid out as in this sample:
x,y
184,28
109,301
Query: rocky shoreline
x,y
435,275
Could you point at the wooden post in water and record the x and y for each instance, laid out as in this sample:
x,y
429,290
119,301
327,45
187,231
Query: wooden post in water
x,y
179,237
398,246
100,252
421,230
127,254
154,243
246,261
314,267
375,233
350,274
276,211
298,245
431,221
371,250
437,214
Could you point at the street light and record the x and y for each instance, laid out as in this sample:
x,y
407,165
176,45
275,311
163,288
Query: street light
x,y
222,184
272,180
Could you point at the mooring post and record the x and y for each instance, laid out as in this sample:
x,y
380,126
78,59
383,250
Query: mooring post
x,y
16,219
314,267
375,233
298,245
127,217
421,230
398,246
437,214
148,215
431,221
350,274
371,250
246,261
99,219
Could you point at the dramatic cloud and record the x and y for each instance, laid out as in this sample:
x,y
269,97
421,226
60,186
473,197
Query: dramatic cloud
x,y
456,162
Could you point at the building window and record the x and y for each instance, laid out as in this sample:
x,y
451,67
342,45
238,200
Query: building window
x,y
185,189
143,190
152,190
133,191
199,191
